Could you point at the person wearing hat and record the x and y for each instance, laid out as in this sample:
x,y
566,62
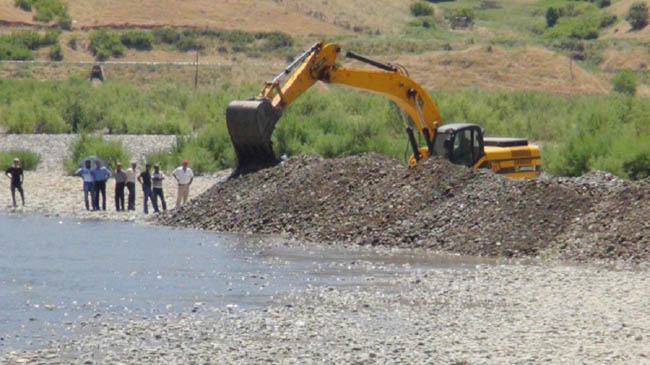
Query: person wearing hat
x,y
120,184
145,179
184,177
131,173
157,179
16,177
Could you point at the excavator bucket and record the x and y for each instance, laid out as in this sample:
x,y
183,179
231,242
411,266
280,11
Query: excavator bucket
x,y
250,124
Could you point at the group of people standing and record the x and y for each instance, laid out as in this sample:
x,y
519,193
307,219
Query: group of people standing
x,y
94,183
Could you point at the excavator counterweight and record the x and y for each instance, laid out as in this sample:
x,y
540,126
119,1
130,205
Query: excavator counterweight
x,y
250,124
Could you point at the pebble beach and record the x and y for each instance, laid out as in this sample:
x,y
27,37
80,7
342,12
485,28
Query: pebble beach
x,y
514,311
49,191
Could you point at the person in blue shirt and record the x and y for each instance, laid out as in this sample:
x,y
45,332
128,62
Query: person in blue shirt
x,y
86,175
100,175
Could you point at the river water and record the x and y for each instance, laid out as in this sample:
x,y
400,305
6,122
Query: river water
x,y
58,274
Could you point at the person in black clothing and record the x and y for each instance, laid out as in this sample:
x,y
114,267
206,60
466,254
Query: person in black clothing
x,y
120,183
16,177
145,180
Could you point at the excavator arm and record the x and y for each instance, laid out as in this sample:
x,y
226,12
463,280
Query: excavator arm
x,y
251,122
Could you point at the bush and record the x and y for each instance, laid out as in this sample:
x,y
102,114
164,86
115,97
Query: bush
x,y
186,44
65,22
166,35
552,15
56,54
48,10
421,8
637,15
625,82
608,20
72,43
111,151
28,160
138,39
105,44
25,5
463,13
276,40
638,167
11,51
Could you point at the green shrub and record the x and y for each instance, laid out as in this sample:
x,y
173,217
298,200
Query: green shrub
x,y
637,15
105,44
638,167
186,44
275,40
65,22
138,39
552,15
56,54
166,35
72,43
48,10
10,50
25,5
421,8
87,145
28,160
584,26
625,82
608,20
465,12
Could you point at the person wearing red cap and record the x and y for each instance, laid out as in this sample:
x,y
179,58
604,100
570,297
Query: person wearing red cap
x,y
184,177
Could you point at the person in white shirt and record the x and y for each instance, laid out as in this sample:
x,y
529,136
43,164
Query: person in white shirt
x,y
184,177
130,184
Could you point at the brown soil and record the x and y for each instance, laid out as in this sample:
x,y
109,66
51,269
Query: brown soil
x,y
374,200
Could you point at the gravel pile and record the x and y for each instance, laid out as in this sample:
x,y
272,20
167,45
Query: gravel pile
x,y
374,200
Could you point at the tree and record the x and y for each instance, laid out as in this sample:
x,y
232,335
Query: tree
x,y
552,15
637,16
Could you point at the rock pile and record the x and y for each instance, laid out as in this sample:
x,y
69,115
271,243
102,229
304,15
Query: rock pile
x,y
374,200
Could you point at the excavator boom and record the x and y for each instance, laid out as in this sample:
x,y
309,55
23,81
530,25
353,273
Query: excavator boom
x,y
251,122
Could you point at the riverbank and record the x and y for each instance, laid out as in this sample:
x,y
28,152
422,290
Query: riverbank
x,y
57,195
501,314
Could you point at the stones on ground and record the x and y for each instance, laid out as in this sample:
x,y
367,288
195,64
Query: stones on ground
x,y
374,200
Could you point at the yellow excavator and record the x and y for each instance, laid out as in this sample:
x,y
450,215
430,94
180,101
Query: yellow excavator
x,y
251,122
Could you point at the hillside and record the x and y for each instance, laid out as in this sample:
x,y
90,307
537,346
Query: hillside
x,y
506,48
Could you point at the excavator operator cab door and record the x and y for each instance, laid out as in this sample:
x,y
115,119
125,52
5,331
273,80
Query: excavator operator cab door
x,y
466,146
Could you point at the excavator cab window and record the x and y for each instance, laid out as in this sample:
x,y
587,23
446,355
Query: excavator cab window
x,y
467,146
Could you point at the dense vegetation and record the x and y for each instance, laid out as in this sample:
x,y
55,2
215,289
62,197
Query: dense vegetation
x,y
579,133
28,160
19,45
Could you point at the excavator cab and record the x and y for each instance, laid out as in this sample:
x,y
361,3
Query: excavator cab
x,y
460,143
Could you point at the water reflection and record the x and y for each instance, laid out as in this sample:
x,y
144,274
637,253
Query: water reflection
x,y
57,273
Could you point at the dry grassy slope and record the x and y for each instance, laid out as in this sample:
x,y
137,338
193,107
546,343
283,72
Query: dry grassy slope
x,y
529,69
292,16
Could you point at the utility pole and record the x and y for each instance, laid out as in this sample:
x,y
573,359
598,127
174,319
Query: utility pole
x,y
196,73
